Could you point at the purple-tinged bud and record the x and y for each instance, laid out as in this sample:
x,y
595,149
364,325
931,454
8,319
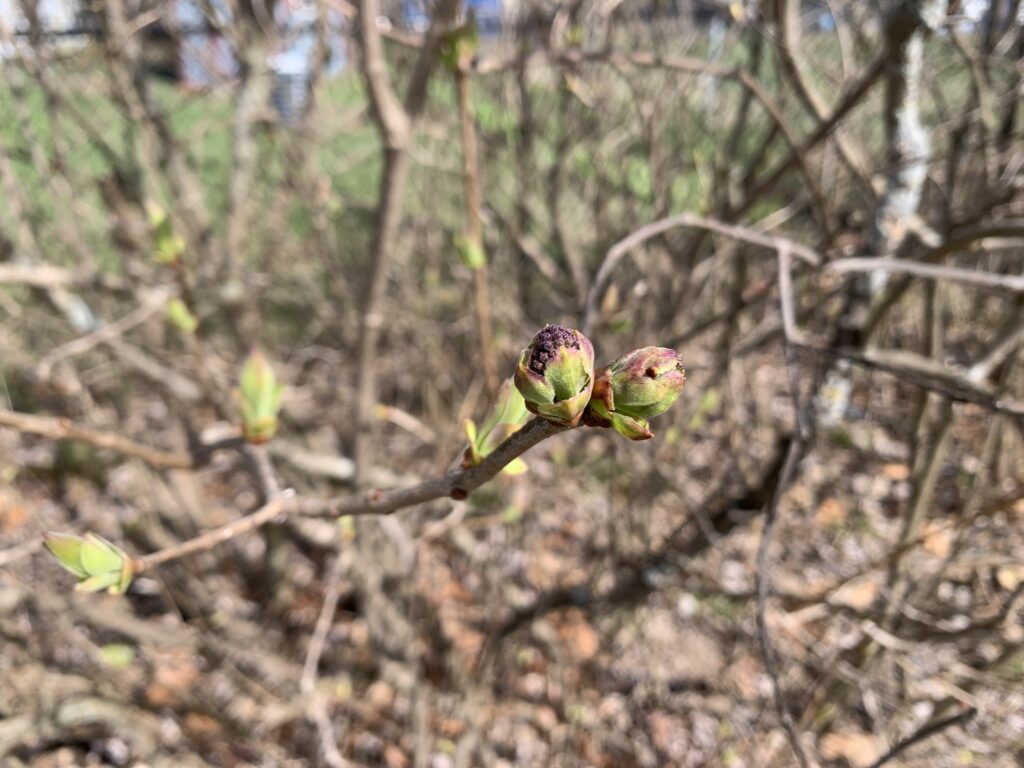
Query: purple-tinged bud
x,y
556,374
635,388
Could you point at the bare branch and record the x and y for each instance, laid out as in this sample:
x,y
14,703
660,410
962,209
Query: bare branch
x,y
1013,283
616,253
63,429
456,484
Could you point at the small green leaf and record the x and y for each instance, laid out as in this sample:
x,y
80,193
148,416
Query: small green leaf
x,y
471,251
68,551
181,317
98,583
99,556
470,428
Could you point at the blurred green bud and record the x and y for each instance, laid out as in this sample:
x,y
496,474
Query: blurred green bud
x,y
471,251
168,247
459,46
181,317
635,388
508,417
259,395
96,562
556,374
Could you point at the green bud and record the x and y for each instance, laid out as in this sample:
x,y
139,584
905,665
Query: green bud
x,y
181,316
168,247
556,374
259,396
96,562
508,416
635,388
471,251
458,47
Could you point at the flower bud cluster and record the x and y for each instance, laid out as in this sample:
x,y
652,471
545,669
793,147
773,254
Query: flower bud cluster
x,y
557,379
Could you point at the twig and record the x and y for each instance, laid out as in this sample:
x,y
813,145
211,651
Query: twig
x,y
925,731
763,588
763,574
265,471
616,253
307,683
150,305
277,507
474,228
456,484
959,389
323,623
1014,283
394,122
63,429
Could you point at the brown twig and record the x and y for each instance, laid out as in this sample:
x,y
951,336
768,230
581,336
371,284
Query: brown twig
x,y
456,484
618,251
925,731
789,467
474,228
394,122
63,429
1014,283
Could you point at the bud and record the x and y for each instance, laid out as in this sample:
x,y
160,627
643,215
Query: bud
x,y
259,397
508,417
168,247
181,316
556,374
635,388
96,562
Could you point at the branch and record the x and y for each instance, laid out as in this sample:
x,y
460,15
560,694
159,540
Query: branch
x,y
1013,283
394,124
457,484
922,733
655,228
151,304
63,429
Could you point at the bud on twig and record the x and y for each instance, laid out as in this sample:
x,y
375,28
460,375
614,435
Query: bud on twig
x,y
635,388
556,374
96,562
508,417
168,246
259,397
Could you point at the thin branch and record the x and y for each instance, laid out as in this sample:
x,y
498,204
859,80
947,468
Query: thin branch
x,y
637,238
1014,283
150,306
457,484
317,710
273,509
763,588
789,466
925,731
63,429
908,367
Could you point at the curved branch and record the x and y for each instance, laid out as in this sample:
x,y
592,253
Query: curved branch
x,y
655,228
